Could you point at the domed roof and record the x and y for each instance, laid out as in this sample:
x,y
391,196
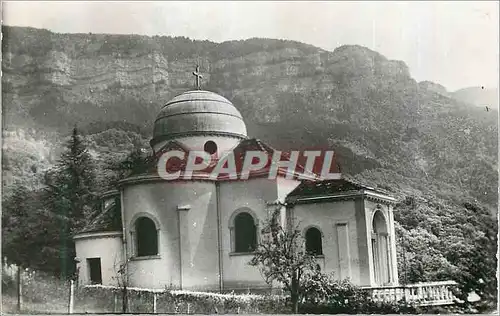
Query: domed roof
x,y
198,112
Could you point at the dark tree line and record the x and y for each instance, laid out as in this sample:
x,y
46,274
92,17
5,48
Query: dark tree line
x,y
38,225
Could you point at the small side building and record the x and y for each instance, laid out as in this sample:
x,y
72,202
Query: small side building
x,y
99,246
351,227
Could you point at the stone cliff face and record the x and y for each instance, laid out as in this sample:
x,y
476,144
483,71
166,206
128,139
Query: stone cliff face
x,y
434,87
90,77
292,95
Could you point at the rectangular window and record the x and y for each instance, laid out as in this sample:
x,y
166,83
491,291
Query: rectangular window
x,y
94,265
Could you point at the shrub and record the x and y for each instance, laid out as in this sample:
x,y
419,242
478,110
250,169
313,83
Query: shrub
x,y
320,287
324,295
95,299
358,306
44,288
100,299
201,303
8,283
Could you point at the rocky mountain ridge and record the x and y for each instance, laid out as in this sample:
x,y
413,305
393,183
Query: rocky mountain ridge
x,y
479,96
476,96
99,73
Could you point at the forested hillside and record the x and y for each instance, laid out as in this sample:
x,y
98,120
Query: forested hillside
x,y
415,140
479,96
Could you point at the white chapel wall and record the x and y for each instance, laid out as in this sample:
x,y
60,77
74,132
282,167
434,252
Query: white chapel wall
x,y
107,247
338,223
251,194
187,238
285,186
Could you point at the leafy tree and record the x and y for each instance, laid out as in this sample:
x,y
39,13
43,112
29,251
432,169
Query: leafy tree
x,y
26,231
420,258
17,226
281,257
473,251
70,196
122,276
440,241
136,162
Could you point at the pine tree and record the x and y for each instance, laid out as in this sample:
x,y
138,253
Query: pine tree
x,y
70,196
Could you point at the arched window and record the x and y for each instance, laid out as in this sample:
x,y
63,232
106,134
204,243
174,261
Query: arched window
x,y
314,243
380,249
146,237
245,233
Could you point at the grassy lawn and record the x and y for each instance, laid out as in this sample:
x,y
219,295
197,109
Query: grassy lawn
x,y
42,293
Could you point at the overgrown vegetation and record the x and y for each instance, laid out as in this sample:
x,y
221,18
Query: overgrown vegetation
x,y
442,242
325,295
37,226
282,258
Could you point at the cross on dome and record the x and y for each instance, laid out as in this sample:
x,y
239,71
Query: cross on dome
x,y
198,76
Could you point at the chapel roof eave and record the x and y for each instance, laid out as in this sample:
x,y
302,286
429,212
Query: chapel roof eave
x,y
338,189
342,196
109,193
145,178
246,144
106,220
96,234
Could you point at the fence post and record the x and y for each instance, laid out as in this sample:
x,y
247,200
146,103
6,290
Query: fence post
x,y
19,288
154,303
71,296
128,300
115,301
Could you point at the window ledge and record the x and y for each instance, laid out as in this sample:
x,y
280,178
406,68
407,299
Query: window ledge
x,y
146,258
319,256
236,254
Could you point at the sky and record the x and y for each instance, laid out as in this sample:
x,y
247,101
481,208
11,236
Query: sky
x,y
451,43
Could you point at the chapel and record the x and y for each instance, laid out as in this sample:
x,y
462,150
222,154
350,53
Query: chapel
x,y
200,233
